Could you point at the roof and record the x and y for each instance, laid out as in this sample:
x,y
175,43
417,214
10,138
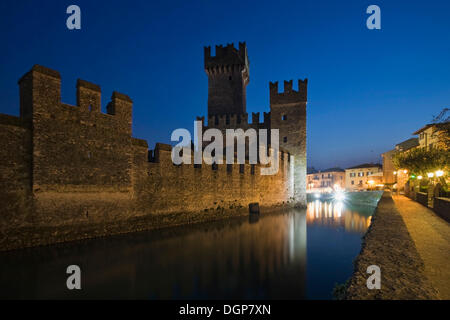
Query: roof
x,y
311,170
407,144
441,124
366,165
334,170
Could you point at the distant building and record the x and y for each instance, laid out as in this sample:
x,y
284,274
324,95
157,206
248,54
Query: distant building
x,y
389,172
363,177
326,180
433,135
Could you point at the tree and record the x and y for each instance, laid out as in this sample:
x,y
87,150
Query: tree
x,y
420,161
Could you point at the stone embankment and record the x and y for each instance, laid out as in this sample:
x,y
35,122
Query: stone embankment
x,y
389,245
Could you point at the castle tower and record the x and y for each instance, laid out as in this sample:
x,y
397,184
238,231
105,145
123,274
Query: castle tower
x,y
228,76
288,114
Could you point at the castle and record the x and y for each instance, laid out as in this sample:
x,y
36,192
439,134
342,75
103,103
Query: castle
x,y
71,172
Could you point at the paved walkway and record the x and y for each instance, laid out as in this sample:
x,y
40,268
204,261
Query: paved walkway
x,y
431,235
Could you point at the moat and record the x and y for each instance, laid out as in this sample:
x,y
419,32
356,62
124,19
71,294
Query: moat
x,y
293,254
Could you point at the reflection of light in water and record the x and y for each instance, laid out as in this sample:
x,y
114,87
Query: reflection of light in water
x,y
338,209
336,214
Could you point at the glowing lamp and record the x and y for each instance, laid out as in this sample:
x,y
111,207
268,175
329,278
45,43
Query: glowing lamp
x,y
419,177
395,172
405,171
439,173
430,174
339,195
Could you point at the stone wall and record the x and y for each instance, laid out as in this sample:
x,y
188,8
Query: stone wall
x,y
15,172
162,187
442,207
422,198
388,244
72,172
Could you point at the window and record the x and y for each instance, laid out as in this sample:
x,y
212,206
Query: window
x,y
197,166
241,168
229,168
285,139
353,182
252,169
284,117
352,174
214,166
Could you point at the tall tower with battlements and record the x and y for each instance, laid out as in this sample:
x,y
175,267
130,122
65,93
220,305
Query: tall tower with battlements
x,y
228,76
288,115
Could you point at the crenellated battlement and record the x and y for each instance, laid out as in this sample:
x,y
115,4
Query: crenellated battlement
x,y
289,95
40,95
227,58
228,77
236,121
162,154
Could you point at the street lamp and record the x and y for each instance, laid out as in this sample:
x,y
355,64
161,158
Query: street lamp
x,y
439,173
430,174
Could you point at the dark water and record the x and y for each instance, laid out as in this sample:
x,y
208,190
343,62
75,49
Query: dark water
x,y
294,254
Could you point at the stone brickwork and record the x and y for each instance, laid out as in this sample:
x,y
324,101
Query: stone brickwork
x,y
288,114
287,108
228,76
70,171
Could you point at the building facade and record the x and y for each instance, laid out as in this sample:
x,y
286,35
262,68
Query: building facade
x,y
433,136
326,181
363,177
390,174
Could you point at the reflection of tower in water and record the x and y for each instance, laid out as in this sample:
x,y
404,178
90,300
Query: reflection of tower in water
x,y
336,214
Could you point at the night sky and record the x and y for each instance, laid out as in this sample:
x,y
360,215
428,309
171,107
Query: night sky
x,y
367,89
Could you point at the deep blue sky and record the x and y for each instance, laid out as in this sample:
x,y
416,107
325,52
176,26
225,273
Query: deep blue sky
x,y
368,89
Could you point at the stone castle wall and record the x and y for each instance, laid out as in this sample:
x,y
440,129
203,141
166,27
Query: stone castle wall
x,y
73,172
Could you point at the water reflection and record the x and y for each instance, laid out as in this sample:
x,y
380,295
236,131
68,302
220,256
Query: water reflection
x,y
339,214
262,258
294,254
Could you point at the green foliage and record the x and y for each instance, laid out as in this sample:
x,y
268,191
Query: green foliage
x,y
420,161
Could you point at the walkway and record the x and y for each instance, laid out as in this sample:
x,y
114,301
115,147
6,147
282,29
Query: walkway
x,y
431,235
